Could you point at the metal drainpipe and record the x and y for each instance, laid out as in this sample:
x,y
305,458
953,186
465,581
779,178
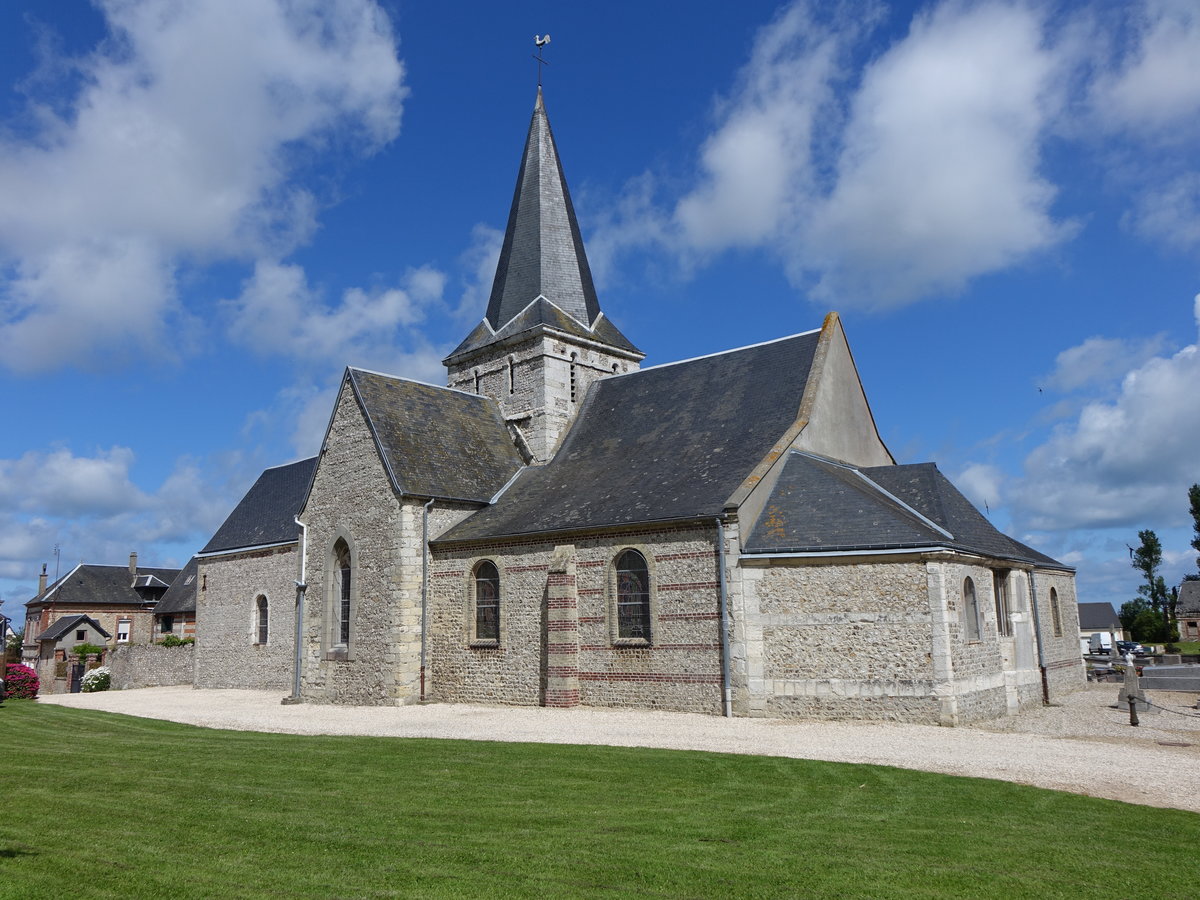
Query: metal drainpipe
x,y
726,705
301,589
424,586
1037,635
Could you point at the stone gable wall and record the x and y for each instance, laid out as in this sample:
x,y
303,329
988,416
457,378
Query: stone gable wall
x,y
353,499
680,669
1065,671
150,665
228,654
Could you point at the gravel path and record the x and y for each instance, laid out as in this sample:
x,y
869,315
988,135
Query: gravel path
x,y
1083,745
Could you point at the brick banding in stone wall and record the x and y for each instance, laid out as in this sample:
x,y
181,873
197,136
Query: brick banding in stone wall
x,y
693,586
602,647
654,678
688,617
704,554
514,569
590,563
590,592
560,626
591,620
560,603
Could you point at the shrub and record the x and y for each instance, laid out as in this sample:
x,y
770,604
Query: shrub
x,y
84,650
174,640
98,679
20,682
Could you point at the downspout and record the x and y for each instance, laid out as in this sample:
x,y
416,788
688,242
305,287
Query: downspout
x,y
301,589
424,586
1037,635
726,705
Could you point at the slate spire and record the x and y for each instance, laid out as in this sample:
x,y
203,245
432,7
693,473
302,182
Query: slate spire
x,y
542,254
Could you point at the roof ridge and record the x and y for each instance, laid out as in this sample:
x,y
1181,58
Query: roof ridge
x,y
680,362
440,387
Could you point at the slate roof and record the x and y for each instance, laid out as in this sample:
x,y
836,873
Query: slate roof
x,y
1097,616
669,442
61,627
103,586
435,441
1189,599
542,256
267,514
181,595
542,313
821,505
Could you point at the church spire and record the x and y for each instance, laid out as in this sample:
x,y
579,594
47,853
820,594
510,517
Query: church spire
x,y
542,254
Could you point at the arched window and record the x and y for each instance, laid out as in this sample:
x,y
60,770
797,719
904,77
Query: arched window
x,y
970,611
487,602
1055,613
633,596
512,376
1000,589
260,606
341,599
574,358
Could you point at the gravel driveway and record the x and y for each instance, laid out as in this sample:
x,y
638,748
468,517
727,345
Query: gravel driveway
x,y
1084,745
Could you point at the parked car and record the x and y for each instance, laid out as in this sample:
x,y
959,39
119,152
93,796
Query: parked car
x,y
1126,647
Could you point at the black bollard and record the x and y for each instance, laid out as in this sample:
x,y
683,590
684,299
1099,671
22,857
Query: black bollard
x,y
1133,718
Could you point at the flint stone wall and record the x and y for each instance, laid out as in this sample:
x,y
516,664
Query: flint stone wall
x,y
228,654
680,669
149,665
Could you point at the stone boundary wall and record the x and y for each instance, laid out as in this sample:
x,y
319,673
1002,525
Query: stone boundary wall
x,y
149,665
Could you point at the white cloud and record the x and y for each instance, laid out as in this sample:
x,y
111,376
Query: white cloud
x,y
982,484
177,147
1169,212
1121,462
279,313
923,175
478,265
938,180
757,167
1100,361
1156,85
61,484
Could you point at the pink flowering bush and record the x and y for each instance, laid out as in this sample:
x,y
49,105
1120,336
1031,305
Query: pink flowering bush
x,y
20,682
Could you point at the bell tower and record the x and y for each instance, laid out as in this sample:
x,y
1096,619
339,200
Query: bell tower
x,y
544,338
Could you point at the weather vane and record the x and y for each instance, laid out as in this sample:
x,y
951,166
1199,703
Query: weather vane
x,y
540,42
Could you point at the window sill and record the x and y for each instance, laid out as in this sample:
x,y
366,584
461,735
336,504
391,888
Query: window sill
x,y
338,654
631,642
485,645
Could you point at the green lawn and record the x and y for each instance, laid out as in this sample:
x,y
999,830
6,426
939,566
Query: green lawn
x,y
101,805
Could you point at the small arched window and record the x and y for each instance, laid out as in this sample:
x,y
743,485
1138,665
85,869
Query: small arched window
x,y
341,554
1055,613
970,611
487,602
512,376
633,596
260,619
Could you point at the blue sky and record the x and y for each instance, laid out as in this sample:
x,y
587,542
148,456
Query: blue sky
x,y
208,209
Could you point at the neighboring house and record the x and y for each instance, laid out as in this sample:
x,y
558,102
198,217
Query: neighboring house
x,y
560,527
1099,618
1187,611
55,645
120,598
175,612
245,589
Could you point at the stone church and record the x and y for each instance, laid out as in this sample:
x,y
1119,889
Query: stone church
x,y
559,526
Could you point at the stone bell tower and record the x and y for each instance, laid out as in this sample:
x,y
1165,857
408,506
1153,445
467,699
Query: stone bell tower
x,y
544,338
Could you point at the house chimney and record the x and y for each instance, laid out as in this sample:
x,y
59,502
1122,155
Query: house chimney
x,y
42,581
133,563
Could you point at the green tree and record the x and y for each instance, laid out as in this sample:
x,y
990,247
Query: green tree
x,y
1146,559
1130,610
